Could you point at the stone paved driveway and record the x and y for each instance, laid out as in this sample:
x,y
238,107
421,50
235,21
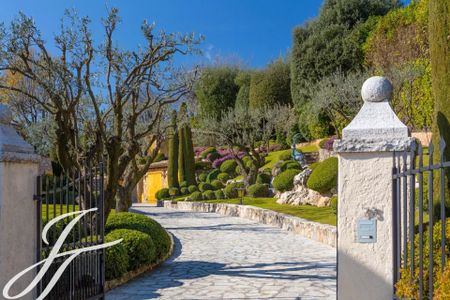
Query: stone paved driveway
x,y
219,257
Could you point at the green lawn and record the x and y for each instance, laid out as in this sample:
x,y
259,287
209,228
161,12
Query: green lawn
x,y
59,209
317,214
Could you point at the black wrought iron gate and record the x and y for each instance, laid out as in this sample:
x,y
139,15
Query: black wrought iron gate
x,y
420,205
70,192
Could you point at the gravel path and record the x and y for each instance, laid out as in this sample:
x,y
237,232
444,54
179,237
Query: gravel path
x,y
218,257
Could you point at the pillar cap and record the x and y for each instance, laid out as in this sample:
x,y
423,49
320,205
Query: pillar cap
x,y
376,89
13,148
376,127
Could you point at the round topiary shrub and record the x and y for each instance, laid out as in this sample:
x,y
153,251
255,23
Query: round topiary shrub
x,y
204,186
208,195
237,170
223,177
202,177
202,165
127,220
207,151
285,180
290,164
334,204
228,166
173,191
196,196
230,190
313,165
212,175
258,190
219,194
263,178
213,156
184,191
116,262
183,184
324,176
192,188
285,155
139,246
216,184
162,194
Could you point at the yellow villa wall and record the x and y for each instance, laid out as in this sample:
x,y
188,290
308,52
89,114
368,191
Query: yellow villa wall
x,y
154,180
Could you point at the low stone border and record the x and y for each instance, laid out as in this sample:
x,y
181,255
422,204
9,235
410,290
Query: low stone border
x,y
326,234
111,284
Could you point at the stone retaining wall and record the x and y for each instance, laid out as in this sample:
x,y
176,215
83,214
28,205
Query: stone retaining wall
x,y
323,233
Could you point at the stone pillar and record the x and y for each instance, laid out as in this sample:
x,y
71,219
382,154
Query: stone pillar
x,y
365,261
18,171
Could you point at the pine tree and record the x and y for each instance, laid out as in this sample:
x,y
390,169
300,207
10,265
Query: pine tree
x,y
172,169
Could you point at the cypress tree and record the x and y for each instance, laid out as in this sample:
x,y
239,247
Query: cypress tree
x,y
439,38
189,156
181,165
172,169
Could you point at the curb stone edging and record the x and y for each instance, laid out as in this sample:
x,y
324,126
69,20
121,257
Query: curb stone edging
x,y
111,284
323,233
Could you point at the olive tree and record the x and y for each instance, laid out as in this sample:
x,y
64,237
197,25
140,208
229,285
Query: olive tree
x,y
102,99
247,132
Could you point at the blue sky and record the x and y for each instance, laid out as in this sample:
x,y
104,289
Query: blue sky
x,y
252,32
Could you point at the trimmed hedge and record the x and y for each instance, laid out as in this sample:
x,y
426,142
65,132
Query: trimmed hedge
x,y
212,175
192,188
207,151
290,164
324,176
258,190
173,191
184,191
230,190
162,194
202,165
216,184
285,180
263,178
223,177
196,196
202,177
208,195
204,186
139,246
184,184
219,194
133,221
285,155
228,166
116,261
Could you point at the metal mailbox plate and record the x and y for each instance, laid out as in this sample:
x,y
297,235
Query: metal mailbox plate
x,y
367,231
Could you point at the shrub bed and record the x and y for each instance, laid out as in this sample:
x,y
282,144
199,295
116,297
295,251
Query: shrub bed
x,y
196,196
223,177
140,248
228,166
192,188
219,194
162,194
126,220
263,178
285,180
204,186
230,191
324,176
207,151
208,195
216,184
212,175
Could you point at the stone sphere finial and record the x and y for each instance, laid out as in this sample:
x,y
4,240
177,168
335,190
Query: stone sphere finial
x,y
376,89
5,114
